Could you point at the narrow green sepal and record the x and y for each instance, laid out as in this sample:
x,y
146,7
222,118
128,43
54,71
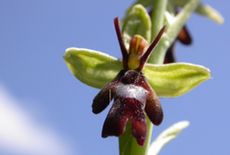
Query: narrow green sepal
x,y
211,13
204,10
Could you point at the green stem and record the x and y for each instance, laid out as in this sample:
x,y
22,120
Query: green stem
x,y
159,9
157,17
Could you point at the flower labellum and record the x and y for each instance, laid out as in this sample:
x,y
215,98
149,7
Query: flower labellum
x,y
132,95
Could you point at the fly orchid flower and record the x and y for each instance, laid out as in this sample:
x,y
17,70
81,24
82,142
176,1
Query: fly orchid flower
x,y
132,94
125,82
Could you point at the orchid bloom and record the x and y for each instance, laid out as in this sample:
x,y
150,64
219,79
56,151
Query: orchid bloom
x,y
132,94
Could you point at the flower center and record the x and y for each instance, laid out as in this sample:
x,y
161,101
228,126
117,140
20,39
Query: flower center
x,y
136,49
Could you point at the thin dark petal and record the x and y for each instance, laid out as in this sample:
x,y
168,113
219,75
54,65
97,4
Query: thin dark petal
x,y
184,36
139,128
121,42
116,120
103,98
146,55
153,109
169,57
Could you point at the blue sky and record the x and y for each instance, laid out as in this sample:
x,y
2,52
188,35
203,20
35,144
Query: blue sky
x,y
37,90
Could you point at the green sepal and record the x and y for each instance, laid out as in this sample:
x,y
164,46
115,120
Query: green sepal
x,y
96,69
92,67
136,21
175,79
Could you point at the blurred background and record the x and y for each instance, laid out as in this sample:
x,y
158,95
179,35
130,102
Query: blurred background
x,y
44,110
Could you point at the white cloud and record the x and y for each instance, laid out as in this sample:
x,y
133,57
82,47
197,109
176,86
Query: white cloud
x,y
20,134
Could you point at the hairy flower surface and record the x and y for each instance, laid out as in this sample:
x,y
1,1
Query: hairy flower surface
x,y
132,95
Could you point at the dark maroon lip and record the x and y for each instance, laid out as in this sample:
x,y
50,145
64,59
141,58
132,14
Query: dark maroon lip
x,y
132,98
